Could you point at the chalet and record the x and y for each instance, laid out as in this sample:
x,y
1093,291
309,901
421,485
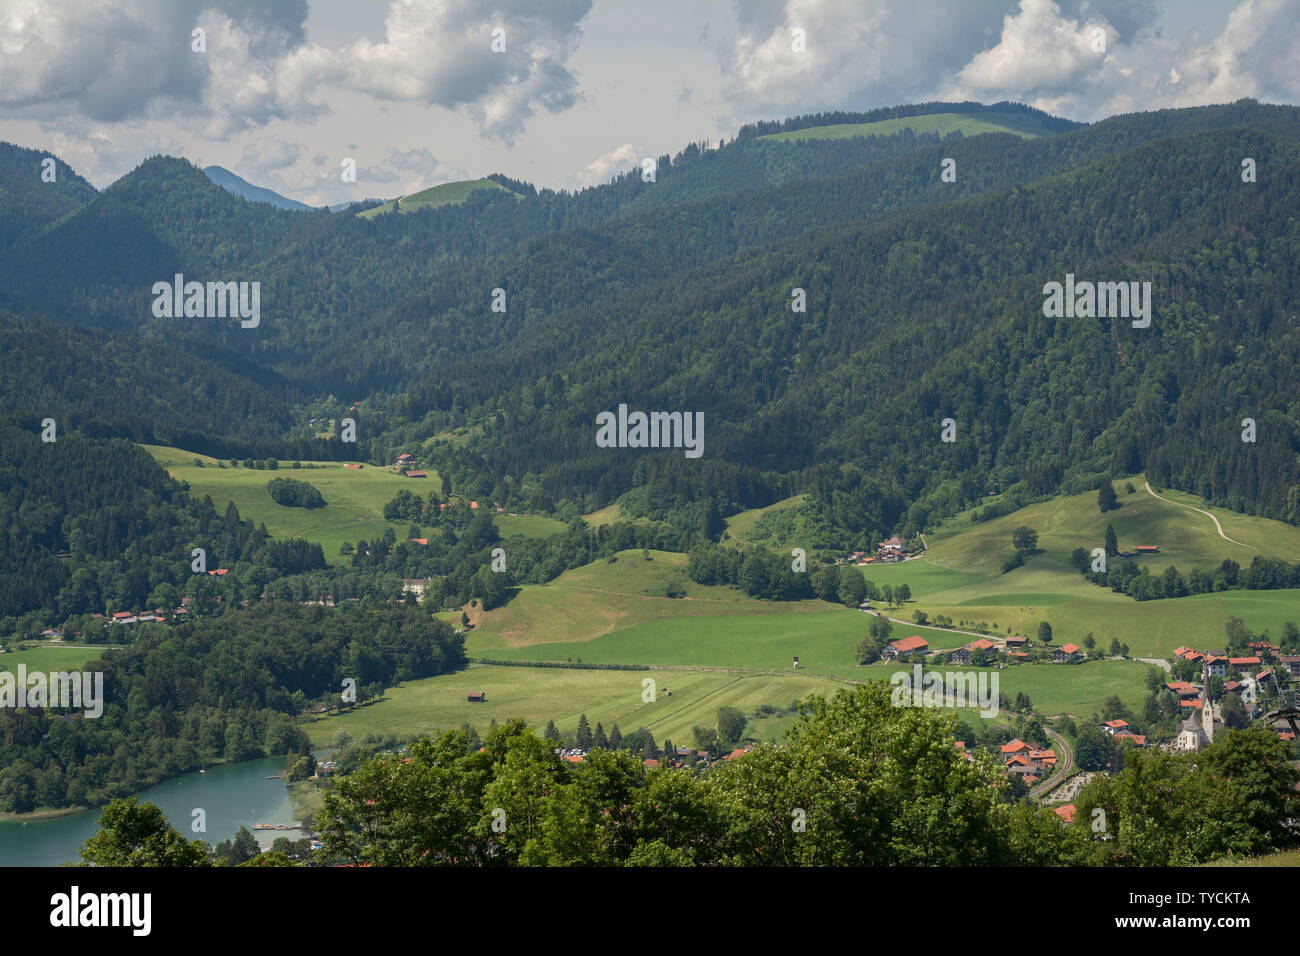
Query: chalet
x,y
1115,726
477,697
1016,643
415,473
905,647
405,459
1065,653
1241,663
1263,648
123,617
1023,766
963,654
1292,663
1147,549
1137,740
1183,689
1016,746
1065,812
1233,687
1188,654
895,542
1043,758
1215,666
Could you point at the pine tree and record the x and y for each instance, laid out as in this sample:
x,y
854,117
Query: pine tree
x,y
1106,497
670,752
584,738
1112,542
551,732
600,740
615,738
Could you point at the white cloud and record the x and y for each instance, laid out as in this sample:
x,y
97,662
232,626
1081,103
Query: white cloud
x,y
1039,50
1045,58
606,166
129,59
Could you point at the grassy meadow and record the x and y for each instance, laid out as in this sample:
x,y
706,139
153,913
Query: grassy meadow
x,y
970,124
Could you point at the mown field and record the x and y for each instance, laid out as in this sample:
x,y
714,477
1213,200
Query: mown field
x,y
355,499
51,658
615,612
960,575
445,194
561,694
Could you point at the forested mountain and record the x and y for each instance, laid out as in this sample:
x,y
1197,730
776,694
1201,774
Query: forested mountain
x,y
28,202
91,525
924,301
927,319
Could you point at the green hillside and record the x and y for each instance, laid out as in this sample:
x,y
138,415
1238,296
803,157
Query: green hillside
x,y
355,498
443,195
968,124
960,574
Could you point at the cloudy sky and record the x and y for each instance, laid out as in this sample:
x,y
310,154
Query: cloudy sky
x,y
564,93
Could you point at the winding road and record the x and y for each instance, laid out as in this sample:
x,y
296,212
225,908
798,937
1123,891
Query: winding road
x,y
1147,485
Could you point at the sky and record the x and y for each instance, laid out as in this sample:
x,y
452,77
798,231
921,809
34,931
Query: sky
x,y
567,93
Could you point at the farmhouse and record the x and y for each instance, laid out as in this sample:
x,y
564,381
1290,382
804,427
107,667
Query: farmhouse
x,y
477,697
1016,643
963,654
1065,653
405,459
1215,666
905,647
1183,689
1115,726
1017,746
1188,654
1243,662
1292,663
1137,740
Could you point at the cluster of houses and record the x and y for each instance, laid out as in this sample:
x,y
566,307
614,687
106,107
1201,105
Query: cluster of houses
x,y
1203,716
916,646
681,757
887,552
1026,761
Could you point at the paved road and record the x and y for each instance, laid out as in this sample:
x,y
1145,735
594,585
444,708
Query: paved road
x,y
1147,484
1158,661
951,630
